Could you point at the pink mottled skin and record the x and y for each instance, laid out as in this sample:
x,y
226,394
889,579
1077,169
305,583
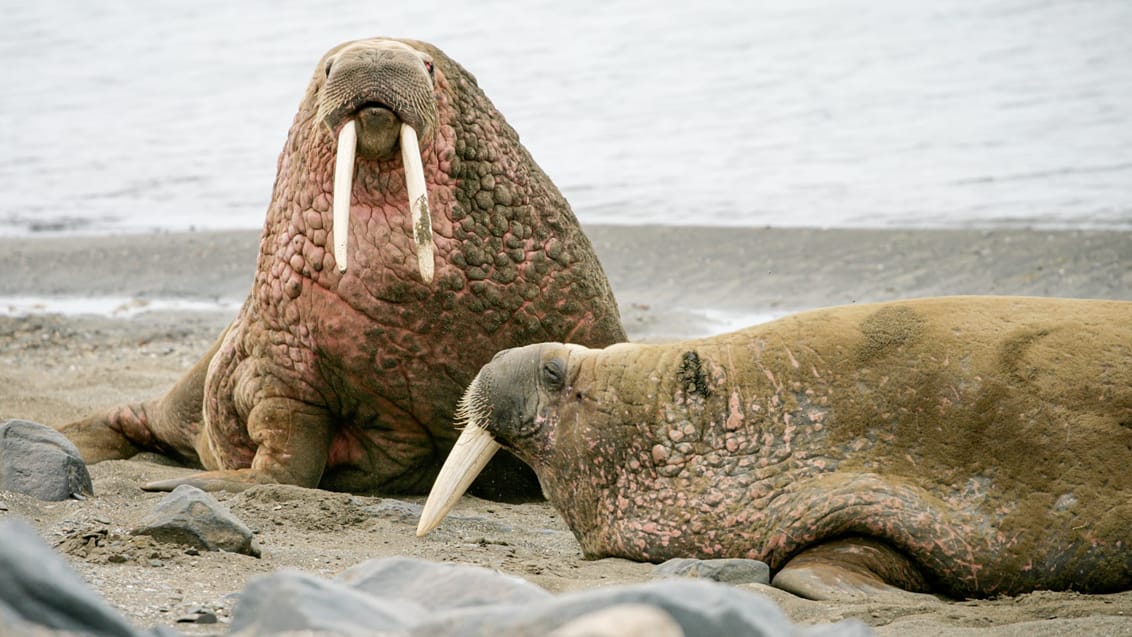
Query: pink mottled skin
x,y
348,380
967,446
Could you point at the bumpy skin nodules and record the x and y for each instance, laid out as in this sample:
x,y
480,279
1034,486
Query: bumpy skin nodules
x,y
348,380
967,446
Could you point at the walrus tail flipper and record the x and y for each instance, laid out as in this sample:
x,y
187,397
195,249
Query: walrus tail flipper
x,y
100,437
168,425
848,569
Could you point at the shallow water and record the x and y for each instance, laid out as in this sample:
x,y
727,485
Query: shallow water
x,y
128,116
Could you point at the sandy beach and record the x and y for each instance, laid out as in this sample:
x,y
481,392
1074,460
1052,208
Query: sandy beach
x,y
671,282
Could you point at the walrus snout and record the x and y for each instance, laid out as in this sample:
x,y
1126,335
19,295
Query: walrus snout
x,y
378,95
379,133
380,72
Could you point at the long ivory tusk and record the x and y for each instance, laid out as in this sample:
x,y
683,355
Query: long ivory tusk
x,y
343,187
418,201
473,449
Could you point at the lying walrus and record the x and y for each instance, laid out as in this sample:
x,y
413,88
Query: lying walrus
x,y
344,366
969,446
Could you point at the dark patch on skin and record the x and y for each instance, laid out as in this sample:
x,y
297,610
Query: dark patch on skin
x,y
424,226
691,375
1014,349
889,328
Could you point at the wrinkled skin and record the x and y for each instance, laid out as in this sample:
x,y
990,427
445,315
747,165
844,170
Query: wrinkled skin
x,y
963,446
348,381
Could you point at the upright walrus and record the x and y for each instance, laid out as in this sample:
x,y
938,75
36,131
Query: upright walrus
x,y
968,446
343,373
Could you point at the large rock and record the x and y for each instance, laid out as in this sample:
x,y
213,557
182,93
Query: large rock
x,y
194,518
289,601
698,607
38,461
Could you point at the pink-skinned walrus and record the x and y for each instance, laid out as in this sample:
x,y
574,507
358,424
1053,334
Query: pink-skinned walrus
x,y
409,237
964,446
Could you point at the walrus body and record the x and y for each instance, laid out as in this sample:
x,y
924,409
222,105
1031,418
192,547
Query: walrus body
x,y
348,379
967,446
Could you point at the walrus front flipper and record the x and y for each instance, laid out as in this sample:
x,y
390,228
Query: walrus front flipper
x,y
851,568
292,443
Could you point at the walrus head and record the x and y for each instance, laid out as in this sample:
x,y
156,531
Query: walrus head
x,y
508,402
378,97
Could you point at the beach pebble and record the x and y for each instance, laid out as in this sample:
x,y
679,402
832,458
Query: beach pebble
x,y
730,571
40,462
194,518
437,585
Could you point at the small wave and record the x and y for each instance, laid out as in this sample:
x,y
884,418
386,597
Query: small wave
x,y
113,307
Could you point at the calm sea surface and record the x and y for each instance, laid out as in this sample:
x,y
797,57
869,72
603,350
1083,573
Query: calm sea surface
x,y
129,116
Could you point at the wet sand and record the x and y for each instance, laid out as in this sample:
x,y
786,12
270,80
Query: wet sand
x,y
671,283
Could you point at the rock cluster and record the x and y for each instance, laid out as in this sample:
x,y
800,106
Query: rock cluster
x,y
409,597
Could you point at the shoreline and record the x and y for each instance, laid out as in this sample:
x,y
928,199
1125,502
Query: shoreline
x,y
671,281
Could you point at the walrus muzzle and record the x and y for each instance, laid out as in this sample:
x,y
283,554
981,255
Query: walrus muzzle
x,y
397,78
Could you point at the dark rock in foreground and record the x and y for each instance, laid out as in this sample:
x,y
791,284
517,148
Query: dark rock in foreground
x,y
287,601
38,461
194,518
39,590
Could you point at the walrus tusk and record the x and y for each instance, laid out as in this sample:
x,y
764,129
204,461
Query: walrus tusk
x,y
418,201
343,187
473,449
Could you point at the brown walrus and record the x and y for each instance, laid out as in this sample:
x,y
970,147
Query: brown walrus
x,y
966,446
345,374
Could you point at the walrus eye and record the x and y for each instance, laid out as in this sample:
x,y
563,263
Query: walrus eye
x,y
553,374
329,64
428,66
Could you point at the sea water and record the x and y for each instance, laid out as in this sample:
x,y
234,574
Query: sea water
x,y
135,116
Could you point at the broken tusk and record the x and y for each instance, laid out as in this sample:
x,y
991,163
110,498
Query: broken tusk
x,y
472,451
343,187
418,201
